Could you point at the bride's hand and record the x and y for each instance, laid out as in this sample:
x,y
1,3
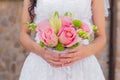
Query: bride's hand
x,y
52,58
75,55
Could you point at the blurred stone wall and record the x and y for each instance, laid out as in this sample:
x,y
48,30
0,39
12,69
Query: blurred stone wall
x,y
117,68
12,54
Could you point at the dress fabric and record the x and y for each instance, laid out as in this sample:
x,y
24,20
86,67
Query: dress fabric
x,y
36,68
106,7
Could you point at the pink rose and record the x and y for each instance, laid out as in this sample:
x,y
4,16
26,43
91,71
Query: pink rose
x,y
68,37
66,21
85,27
42,25
46,34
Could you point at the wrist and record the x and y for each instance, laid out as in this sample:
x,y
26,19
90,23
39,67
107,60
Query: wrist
x,y
38,49
91,48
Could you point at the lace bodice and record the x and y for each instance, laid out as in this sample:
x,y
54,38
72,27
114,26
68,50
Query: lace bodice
x,y
45,8
81,9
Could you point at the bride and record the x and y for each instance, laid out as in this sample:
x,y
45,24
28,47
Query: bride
x,y
79,63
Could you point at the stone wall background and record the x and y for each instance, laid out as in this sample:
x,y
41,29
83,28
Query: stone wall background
x,y
12,54
117,66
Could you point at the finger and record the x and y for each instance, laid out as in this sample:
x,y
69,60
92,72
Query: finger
x,y
68,60
75,59
69,55
55,66
52,53
68,64
64,60
52,56
53,63
71,62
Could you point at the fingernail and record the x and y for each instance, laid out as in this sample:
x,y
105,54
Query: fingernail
x,y
62,55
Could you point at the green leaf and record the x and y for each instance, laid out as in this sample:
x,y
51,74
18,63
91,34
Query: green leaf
x,y
41,44
80,32
77,23
95,28
69,14
55,22
75,45
59,47
66,14
32,26
83,34
53,42
56,14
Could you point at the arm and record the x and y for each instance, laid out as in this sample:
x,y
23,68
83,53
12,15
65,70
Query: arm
x,y
28,43
24,36
99,20
84,51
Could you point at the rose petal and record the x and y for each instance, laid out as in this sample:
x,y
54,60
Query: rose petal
x,y
73,42
85,27
68,36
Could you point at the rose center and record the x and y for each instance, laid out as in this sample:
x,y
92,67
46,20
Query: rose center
x,y
69,34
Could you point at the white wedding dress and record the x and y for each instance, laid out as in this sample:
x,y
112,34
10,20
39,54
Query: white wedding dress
x,y
36,68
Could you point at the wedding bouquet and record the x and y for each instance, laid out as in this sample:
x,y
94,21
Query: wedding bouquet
x,y
62,32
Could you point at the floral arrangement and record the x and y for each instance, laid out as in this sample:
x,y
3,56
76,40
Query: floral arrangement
x,y
63,32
